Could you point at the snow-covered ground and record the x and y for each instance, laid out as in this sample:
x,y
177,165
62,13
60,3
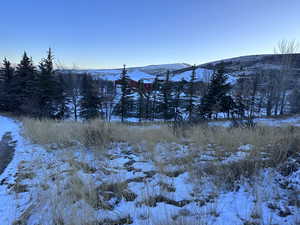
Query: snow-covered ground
x,y
12,204
140,184
275,122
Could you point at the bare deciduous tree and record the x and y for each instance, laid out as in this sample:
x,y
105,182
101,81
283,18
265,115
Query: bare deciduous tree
x,y
284,76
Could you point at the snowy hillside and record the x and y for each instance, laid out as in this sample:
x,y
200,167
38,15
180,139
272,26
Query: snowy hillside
x,y
234,67
250,65
135,73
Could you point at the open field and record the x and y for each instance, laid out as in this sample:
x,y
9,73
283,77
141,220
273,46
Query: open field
x,y
101,173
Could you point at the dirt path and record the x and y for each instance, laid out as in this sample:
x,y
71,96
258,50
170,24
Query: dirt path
x,y
7,148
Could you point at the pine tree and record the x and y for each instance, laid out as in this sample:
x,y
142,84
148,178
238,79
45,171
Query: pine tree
x,y
90,102
191,94
126,97
7,71
6,94
141,103
216,99
48,87
25,87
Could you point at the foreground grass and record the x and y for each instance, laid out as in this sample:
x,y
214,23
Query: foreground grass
x,y
100,133
91,133
182,150
270,146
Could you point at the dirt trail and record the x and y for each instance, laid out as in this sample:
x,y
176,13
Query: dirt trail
x,y
7,148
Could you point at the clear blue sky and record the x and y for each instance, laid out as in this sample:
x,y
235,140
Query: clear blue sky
x,y
109,33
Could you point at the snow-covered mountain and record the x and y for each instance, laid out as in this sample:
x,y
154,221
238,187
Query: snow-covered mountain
x,y
249,65
234,68
135,73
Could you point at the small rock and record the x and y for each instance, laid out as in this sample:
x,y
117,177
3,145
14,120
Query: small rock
x,y
284,211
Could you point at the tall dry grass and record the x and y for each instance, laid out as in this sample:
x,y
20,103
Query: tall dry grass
x,y
277,141
270,147
91,133
277,144
68,133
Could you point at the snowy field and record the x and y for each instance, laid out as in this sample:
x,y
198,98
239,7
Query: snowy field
x,y
149,182
278,122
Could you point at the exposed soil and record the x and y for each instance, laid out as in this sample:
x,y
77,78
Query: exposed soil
x,y
7,149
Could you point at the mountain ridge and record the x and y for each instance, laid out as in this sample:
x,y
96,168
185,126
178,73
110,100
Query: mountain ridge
x,y
237,66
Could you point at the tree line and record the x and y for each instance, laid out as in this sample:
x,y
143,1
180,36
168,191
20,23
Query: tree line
x,y
181,100
43,92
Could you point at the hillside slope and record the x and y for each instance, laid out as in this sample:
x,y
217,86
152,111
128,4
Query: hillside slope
x,y
235,67
136,73
249,65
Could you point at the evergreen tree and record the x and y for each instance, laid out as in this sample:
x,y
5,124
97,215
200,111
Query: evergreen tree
x,y
48,87
90,102
216,99
6,94
126,95
7,71
227,105
141,102
191,94
25,87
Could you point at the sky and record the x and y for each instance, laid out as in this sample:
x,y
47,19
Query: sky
x,y
110,33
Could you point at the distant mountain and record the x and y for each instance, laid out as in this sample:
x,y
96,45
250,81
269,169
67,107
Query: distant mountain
x,y
249,65
135,73
234,67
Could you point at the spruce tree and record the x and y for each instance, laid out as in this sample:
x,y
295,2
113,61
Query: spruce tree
x,y
7,71
90,102
141,103
216,100
126,94
191,94
25,87
47,87
6,94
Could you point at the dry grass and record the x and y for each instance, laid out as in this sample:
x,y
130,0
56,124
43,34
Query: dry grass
x,y
231,138
275,143
68,133
271,147
91,133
